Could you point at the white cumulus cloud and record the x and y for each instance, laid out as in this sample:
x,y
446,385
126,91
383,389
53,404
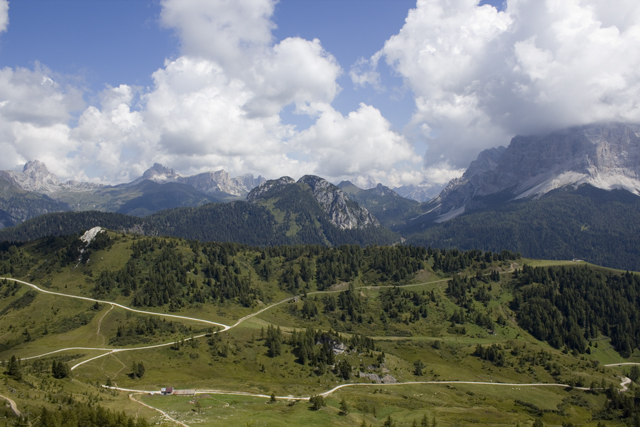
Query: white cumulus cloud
x,y
34,115
4,15
480,76
359,144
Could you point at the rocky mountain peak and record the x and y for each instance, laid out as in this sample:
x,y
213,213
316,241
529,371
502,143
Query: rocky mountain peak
x,y
221,182
606,156
343,212
159,172
34,177
381,190
212,182
35,167
487,161
419,193
268,188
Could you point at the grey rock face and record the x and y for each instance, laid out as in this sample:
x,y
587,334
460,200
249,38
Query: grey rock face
x,y
34,177
606,156
159,172
343,212
419,193
37,178
221,182
207,182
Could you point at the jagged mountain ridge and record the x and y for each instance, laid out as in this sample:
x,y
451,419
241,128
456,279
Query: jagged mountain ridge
x,y
215,182
36,191
342,211
605,156
36,177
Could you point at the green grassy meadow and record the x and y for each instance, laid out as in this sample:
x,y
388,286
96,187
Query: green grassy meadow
x,y
237,360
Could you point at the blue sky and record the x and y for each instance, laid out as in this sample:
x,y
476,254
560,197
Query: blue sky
x,y
111,42
388,91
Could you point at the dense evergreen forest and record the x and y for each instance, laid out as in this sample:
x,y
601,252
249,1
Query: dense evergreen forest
x,y
602,227
161,272
571,306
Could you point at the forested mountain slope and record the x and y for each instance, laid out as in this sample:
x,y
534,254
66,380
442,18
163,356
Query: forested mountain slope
x,y
587,223
295,218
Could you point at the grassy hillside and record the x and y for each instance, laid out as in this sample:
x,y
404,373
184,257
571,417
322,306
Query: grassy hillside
x,y
376,319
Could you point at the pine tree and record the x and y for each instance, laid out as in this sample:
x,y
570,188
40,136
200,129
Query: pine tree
x,y
141,370
14,370
317,402
344,408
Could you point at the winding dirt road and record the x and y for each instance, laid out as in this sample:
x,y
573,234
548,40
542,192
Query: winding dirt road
x,y
124,307
625,381
12,404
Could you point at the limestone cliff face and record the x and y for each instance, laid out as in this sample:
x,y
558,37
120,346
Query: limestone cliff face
x,y
221,182
344,213
159,173
419,193
606,156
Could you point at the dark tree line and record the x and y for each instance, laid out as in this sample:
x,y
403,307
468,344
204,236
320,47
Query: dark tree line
x,y
85,415
568,306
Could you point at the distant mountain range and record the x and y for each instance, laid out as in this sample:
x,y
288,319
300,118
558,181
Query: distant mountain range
x,y
277,212
567,194
36,191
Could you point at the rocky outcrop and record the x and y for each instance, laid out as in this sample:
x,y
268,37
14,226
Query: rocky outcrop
x,y
34,177
159,173
606,156
343,212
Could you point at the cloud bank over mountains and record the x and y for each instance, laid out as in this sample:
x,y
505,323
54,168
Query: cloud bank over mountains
x,y
478,76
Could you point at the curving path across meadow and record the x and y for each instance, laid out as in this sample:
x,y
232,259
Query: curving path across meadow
x,y
113,304
108,351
